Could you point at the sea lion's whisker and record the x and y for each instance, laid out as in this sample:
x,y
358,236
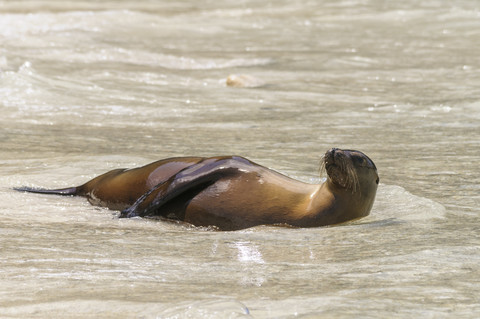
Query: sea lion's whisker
x,y
321,167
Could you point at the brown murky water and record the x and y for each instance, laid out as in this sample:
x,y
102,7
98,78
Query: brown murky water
x,y
90,86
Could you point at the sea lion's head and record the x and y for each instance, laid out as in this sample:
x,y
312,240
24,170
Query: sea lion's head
x,y
351,170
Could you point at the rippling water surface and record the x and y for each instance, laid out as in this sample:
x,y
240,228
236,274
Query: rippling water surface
x,y
89,86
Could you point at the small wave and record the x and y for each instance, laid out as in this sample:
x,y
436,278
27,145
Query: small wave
x,y
207,309
394,202
92,308
167,61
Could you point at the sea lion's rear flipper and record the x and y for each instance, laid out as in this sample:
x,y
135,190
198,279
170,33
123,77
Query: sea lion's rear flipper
x,y
60,191
191,179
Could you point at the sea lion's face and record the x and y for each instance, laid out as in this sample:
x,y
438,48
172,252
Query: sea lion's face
x,y
351,170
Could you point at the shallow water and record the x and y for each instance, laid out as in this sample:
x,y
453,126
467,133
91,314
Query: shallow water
x,y
86,87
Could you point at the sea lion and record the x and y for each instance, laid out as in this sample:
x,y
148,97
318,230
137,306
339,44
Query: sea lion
x,y
231,192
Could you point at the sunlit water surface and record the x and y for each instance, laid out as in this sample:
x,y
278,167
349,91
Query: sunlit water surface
x,y
86,87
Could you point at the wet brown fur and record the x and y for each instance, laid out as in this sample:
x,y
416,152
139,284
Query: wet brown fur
x,y
232,192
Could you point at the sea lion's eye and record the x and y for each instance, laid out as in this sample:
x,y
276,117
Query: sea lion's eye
x,y
360,161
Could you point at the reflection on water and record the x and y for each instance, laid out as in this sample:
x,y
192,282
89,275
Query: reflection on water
x,y
250,257
248,253
87,87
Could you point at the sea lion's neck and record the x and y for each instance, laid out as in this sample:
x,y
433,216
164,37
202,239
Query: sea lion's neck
x,y
327,205
319,199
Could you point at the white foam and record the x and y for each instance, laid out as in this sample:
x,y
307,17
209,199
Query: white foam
x,y
395,202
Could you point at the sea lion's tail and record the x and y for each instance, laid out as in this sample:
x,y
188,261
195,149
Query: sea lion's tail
x,y
60,191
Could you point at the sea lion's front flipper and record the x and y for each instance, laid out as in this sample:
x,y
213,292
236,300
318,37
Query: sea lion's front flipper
x,y
194,177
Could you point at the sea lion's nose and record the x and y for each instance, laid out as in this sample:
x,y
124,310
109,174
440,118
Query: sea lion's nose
x,y
336,150
330,155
